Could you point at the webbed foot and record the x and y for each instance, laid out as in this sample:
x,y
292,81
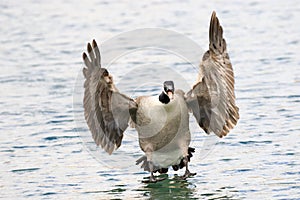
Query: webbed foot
x,y
187,174
153,179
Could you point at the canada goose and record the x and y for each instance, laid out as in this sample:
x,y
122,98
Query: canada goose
x,y
162,121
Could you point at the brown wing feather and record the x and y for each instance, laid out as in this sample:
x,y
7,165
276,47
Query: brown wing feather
x,y
106,111
212,99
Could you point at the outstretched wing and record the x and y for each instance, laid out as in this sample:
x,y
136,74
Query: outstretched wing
x,y
106,111
212,99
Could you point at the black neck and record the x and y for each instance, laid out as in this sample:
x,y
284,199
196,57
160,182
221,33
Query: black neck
x,y
163,97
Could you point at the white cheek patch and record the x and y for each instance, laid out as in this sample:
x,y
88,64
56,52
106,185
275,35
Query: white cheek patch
x,y
171,95
108,79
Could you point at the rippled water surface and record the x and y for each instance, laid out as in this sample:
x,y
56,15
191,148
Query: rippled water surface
x,y
43,150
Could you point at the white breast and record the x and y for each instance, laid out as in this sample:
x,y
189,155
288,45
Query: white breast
x,y
153,115
163,129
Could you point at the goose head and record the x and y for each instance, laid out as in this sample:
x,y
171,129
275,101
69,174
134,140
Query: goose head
x,y
168,93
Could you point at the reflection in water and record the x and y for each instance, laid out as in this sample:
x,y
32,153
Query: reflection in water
x,y
173,188
169,188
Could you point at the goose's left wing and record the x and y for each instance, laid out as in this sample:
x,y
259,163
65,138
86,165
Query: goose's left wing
x,y
212,99
106,110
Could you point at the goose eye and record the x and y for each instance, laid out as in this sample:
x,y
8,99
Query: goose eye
x,y
105,73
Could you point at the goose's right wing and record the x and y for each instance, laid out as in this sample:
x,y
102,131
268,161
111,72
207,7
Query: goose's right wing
x,y
106,111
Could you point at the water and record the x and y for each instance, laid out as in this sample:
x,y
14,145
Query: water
x,y
42,153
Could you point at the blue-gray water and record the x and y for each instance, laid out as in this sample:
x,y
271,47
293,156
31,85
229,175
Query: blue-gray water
x,y
42,153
